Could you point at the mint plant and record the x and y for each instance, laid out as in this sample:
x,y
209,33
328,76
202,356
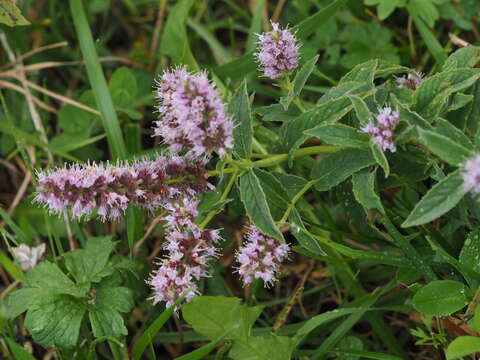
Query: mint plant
x,y
281,181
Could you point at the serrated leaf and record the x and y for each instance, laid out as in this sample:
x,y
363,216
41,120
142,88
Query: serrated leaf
x,y
326,113
89,264
303,237
256,206
276,195
218,316
361,110
299,82
339,134
440,298
446,149
10,14
447,129
239,108
328,172
433,92
364,190
48,276
105,321
438,200
462,58
55,320
362,73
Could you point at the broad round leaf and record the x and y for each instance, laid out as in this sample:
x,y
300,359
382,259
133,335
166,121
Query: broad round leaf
x,y
440,298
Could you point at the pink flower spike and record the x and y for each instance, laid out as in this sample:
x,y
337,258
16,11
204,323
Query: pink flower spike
x,y
260,257
383,132
278,52
192,115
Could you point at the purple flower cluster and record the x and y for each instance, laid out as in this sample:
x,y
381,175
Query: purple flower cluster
x,y
260,257
110,189
189,251
277,52
383,132
192,114
471,174
411,81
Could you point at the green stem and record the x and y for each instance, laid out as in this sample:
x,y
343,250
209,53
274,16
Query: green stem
x,y
294,201
277,159
223,197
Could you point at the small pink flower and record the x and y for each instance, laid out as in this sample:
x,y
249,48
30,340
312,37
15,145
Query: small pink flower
x,y
260,257
411,81
383,132
278,52
471,174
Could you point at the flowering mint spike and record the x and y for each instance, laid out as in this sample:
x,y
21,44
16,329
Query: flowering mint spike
x,y
192,115
278,52
189,250
471,174
410,81
110,189
387,121
260,257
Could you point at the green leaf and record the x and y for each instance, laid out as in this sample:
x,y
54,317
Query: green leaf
x,y
299,82
380,158
362,73
88,265
438,200
463,346
464,57
446,149
263,348
339,134
97,81
328,172
276,195
104,314
55,320
48,276
18,352
256,206
432,94
385,7
424,9
361,110
470,254
303,237
327,113
364,190
174,41
255,25
218,316
447,129
10,14
440,298
201,352
239,108
123,87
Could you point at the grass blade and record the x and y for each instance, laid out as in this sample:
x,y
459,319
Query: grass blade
x,y
97,81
